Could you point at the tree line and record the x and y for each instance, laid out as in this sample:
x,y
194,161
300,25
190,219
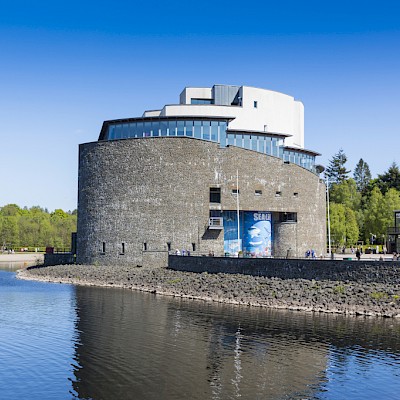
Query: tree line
x,y
361,208
35,227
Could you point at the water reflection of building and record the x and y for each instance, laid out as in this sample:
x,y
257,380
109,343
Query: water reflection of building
x,y
135,345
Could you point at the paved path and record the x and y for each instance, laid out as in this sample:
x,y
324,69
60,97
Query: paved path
x,y
21,257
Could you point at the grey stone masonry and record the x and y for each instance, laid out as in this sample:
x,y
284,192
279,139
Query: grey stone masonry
x,y
334,270
138,196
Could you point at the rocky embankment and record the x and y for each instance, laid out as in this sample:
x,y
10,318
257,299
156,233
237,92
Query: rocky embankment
x,y
372,299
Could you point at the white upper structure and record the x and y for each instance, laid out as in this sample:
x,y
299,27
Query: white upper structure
x,y
251,109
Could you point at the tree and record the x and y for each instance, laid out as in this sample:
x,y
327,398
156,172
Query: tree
x,y
374,222
338,224
362,175
9,231
345,193
391,203
352,231
389,179
336,171
10,210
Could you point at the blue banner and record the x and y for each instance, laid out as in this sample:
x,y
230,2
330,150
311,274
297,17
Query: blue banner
x,y
257,235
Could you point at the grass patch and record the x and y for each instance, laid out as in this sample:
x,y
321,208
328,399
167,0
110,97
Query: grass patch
x,y
378,295
340,289
173,281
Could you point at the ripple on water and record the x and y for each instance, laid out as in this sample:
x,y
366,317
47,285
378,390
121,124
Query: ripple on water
x,y
109,343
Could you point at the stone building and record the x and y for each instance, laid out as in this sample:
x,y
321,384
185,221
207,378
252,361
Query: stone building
x,y
223,172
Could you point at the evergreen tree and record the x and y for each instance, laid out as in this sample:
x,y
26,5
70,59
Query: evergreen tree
x,y
390,179
362,175
336,171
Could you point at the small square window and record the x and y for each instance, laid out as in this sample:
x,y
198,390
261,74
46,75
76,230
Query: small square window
x,y
255,104
215,195
295,194
258,192
235,191
278,194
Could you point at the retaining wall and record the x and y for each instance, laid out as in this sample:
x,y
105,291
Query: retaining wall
x,y
336,270
59,259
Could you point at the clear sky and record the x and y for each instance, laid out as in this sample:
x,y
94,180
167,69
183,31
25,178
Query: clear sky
x,y
66,66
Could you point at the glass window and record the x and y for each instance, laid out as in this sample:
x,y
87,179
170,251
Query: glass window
x,y
180,125
125,131
215,195
222,126
163,128
246,143
201,101
147,129
268,146
189,128
139,130
274,147
171,128
254,143
255,104
118,131
155,127
129,130
214,131
111,133
206,130
261,144
197,129
231,139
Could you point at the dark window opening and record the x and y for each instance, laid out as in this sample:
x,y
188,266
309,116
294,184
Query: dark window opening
x,y
278,194
169,246
288,217
215,195
295,194
258,192
202,101
103,247
123,248
235,191
255,104
145,246
194,246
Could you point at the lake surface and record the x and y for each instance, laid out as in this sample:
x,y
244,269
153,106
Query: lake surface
x,y
67,342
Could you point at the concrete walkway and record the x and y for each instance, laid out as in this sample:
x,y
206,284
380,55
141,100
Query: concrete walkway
x,y
22,257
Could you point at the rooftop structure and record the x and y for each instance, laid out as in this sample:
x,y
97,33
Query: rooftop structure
x,y
261,120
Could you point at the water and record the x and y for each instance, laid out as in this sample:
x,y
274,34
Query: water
x,y
66,342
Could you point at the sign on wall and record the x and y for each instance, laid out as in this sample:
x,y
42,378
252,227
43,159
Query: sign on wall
x,y
255,238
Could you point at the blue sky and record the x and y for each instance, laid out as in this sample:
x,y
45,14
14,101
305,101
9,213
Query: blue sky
x,y
65,67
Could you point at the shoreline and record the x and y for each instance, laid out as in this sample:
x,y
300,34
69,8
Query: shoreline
x,y
349,298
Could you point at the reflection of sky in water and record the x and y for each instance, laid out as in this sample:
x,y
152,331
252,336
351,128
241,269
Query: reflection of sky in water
x,y
57,340
349,369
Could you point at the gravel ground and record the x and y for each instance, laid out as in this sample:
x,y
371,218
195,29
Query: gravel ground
x,y
372,299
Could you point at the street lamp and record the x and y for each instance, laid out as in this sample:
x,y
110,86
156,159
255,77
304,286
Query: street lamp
x,y
329,219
